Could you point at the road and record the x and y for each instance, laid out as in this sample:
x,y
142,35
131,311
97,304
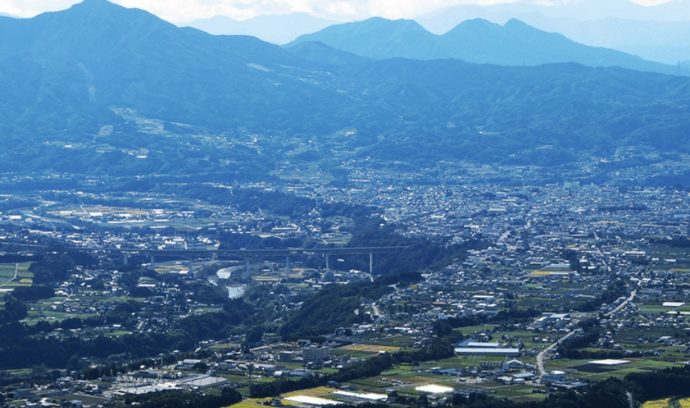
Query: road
x,y
631,401
541,356
623,304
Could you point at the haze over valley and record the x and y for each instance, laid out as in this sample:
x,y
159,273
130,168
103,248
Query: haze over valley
x,y
344,204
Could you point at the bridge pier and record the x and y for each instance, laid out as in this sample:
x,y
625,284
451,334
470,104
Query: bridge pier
x,y
287,265
190,266
328,265
371,263
246,266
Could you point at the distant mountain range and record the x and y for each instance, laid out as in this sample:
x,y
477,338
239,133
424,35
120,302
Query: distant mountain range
x,y
657,33
664,41
476,41
443,20
277,29
100,87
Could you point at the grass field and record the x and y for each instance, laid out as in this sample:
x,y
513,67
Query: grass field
x,y
580,370
659,308
461,362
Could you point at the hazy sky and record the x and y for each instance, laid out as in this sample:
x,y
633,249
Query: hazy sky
x,y
187,10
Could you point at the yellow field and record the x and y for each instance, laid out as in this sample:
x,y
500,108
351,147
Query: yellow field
x,y
312,392
250,403
664,403
684,403
370,348
538,274
257,403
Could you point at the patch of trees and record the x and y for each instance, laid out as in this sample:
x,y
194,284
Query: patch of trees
x,y
215,325
245,199
275,388
51,268
329,309
233,241
439,349
671,382
13,310
55,264
33,293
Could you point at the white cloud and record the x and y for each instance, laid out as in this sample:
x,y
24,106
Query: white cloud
x,y
187,10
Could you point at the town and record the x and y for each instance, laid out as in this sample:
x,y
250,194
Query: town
x,y
548,287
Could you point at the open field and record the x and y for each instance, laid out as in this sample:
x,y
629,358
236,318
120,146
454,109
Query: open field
x,y
23,278
461,362
582,369
370,348
658,308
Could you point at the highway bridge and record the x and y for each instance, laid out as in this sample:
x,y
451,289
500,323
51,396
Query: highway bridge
x,y
214,253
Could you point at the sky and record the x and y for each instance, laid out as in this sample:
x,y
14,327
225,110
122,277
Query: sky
x,y
180,11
